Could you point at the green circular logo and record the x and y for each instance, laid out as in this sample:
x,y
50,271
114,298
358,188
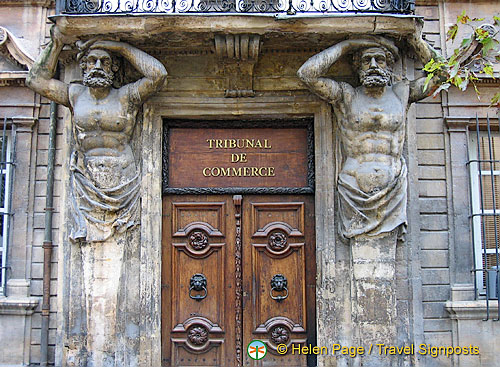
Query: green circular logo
x,y
256,350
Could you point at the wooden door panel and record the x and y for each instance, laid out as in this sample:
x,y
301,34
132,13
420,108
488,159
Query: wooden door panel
x,y
195,331
205,235
275,240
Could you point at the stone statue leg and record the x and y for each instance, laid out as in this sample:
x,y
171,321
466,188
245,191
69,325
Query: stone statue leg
x,y
374,296
102,273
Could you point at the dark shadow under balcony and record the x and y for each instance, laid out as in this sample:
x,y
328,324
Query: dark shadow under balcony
x,y
289,7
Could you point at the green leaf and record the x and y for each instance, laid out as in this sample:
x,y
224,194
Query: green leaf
x,y
477,19
488,69
495,100
477,92
452,32
428,66
481,34
488,45
463,18
454,71
428,80
496,18
465,42
457,81
463,85
444,86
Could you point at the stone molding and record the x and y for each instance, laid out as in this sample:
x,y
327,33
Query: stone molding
x,y
335,26
13,78
12,48
237,55
471,310
23,123
18,306
457,123
18,302
42,3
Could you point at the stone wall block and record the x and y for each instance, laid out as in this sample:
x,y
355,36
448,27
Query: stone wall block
x,y
435,259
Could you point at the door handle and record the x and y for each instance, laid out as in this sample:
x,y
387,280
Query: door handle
x,y
279,283
198,283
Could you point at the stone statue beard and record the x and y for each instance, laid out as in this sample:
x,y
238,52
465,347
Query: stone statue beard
x,y
377,77
97,78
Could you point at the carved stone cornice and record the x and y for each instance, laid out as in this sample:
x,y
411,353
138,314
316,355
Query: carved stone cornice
x,y
19,306
23,123
471,310
12,49
237,55
457,123
42,3
488,81
16,79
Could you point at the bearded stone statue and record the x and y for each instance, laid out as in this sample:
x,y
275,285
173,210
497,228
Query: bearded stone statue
x,y
104,197
371,180
104,175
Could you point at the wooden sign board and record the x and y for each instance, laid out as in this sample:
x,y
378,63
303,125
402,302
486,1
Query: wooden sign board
x,y
242,157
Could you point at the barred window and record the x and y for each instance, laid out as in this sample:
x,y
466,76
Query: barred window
x,y
484,164
6,167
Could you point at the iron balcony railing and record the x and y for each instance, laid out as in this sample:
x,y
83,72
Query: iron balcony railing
x,y
289,7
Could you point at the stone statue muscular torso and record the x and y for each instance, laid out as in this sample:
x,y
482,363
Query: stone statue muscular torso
x,y
371,179
105,181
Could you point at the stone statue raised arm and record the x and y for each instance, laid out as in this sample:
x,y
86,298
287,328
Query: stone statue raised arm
x,y
104,195
371,178
104,175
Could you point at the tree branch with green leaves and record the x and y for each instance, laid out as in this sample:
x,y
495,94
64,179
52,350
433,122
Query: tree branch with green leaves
x,y
475,55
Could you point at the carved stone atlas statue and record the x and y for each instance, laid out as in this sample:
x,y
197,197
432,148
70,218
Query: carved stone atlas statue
x,y
371,177
104,176
371,168
103,198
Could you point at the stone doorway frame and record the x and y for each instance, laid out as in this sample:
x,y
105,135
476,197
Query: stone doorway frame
x,y
223,108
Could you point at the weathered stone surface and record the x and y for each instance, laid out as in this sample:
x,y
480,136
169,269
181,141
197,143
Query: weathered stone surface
x,y
371,178
103,199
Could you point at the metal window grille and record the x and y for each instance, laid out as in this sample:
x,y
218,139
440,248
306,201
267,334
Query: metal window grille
x,y
6,170
484,168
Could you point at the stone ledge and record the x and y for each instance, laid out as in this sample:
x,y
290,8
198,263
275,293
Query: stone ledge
x,y
470,310
18,306
185,30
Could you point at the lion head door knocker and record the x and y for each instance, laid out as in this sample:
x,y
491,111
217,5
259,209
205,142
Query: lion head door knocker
x,y
279,284
198,283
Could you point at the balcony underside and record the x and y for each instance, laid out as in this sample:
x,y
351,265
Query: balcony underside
x,y
188,31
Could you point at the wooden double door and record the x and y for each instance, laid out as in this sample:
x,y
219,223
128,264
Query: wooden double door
x,y
234,269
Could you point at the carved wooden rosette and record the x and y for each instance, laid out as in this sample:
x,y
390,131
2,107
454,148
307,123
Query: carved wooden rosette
x,y
281,330
239,281
198,334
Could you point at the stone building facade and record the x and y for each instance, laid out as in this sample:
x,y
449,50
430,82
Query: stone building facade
x,y
239,71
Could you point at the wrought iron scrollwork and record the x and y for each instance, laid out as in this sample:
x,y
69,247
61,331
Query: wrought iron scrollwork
x,y
289,7
279,283
198,283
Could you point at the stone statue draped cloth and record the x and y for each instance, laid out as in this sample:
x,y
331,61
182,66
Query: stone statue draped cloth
x,y
102,201
375,213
